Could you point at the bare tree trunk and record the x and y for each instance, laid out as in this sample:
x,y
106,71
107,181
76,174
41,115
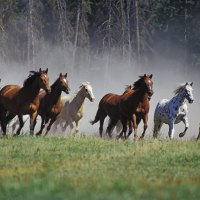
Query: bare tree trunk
x,y
129,32
138,40
76,35
123,26
62,14
31,39
109,40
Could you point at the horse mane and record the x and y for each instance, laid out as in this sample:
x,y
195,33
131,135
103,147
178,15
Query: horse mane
x,y
127,87
137,83
179,88
83,84
32,76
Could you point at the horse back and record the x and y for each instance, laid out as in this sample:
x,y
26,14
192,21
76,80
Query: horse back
x,y
9,91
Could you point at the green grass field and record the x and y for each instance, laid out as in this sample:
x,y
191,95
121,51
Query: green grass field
x,y
93,168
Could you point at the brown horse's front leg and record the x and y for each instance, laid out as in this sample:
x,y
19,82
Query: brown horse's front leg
x,y
135,127
50,124
32,122
145,121
41,127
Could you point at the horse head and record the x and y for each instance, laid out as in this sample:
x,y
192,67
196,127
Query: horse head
x,y
188,92
64,83
44,80
145,82
87,90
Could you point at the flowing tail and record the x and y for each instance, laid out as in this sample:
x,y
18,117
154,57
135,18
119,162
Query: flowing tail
x,y
97,117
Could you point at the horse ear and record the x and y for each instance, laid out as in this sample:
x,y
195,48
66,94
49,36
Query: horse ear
x,y
186,83
65,75
46,70
40,70
151,76
60,74
145,75
191,84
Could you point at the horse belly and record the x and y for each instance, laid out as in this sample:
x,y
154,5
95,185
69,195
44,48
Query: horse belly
x,y
179,118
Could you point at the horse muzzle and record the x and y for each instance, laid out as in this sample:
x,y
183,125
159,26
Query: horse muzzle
x,y
150,93
48,90
92,99
191,101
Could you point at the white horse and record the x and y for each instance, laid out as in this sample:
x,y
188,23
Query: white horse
x,y
72,110
174,110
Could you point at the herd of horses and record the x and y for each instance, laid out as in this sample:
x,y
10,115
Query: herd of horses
x,y
36,97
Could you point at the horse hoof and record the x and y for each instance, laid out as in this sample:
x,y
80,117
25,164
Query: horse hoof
x,y
141,137
181,134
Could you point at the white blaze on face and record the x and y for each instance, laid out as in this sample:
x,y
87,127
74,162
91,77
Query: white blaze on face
x,y
150,82
90,92
65,80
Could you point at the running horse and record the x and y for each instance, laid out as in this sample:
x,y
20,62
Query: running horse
x,y
123,107
51,104
173,111
16,100
141,114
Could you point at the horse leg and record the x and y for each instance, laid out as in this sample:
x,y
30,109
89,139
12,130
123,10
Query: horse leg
x,y
33,117
130,128
185,121
21,124
50,124
9,117
124,124
112,123
77,126
156,129
42,126
3,120
135,127
102,118
171,129
145,121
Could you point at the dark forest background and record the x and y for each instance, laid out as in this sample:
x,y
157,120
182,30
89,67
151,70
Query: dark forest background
x,y
86,31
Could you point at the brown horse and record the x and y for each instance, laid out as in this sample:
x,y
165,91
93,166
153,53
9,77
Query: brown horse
x,y
51,104
20,101
124,107
141,113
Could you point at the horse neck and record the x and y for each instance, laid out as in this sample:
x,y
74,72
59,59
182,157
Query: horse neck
x,y
32,90
78,100
55,94
137,94
178,99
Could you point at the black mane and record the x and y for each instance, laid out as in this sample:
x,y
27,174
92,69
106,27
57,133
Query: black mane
x,y
32,76
137,83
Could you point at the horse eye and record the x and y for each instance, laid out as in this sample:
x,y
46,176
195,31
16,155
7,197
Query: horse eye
x,y
86,90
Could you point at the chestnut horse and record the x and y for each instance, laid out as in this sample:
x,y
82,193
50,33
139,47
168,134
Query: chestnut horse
x,y
51,104
20,101
141,113
123,107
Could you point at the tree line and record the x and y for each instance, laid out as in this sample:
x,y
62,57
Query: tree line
x,y
133,30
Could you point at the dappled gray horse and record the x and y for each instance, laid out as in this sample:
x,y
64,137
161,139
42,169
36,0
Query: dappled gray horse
x,y
173,111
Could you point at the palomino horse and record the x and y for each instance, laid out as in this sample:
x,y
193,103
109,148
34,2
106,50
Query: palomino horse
x,y
20,101
73,108
123,107
51,104
173,111
141,114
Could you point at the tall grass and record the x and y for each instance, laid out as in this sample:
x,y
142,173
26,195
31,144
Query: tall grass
x,y
93,168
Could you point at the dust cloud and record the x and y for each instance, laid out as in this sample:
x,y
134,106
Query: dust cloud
x,y
167,75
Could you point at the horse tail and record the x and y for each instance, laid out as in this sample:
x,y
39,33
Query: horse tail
x,y
97,116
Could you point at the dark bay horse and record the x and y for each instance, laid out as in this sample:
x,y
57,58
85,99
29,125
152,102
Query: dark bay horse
x,y
141,113
124,107
20,101
51,104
